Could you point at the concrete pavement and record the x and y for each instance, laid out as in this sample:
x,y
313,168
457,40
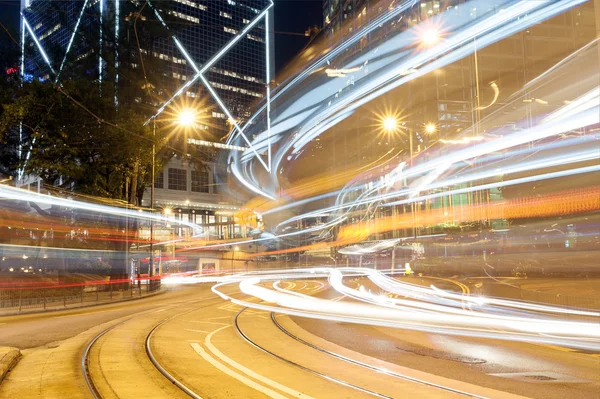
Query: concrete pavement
x,y
8,359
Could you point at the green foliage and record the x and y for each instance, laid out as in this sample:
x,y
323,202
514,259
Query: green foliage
x,y
72,133
80,139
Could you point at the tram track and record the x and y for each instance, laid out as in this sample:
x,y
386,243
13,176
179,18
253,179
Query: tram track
x,y
368,366
301,367
85,359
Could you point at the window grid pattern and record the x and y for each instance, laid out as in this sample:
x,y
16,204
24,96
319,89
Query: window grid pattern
x,y
159,180
177,179
200,182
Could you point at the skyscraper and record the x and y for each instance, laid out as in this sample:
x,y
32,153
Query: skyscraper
x,y
216,50
217,55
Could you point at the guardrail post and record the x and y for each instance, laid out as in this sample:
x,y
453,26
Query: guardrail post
x,y
20,298
44,299
64,299
96,292
81,295
110,290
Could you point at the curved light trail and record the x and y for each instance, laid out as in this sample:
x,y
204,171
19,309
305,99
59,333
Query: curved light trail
x,y
423,309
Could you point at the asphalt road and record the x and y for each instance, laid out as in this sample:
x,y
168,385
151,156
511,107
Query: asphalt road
x,y
533,370
216,350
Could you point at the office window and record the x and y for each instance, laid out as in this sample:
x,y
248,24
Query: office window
x,y
177,179
200,181
159,179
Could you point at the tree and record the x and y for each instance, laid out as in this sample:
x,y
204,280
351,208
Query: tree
x,y
80,141
72,134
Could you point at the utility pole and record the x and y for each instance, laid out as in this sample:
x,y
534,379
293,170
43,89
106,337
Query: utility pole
x,y
151,273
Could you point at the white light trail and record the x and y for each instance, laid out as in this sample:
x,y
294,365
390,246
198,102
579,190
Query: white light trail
x,y
17,194
494,318
457,44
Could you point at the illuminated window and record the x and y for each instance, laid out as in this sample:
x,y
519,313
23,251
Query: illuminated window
x,y
230,30
185,16
255,38
225,14
51,31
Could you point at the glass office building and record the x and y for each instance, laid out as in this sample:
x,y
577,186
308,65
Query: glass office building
x,y
214,56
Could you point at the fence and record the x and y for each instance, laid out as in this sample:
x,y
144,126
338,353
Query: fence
x,y
18,299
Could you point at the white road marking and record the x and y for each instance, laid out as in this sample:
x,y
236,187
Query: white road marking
x,y
200,331
247,381
208,322
249,372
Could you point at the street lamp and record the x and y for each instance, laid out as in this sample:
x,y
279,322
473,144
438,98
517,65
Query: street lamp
x,y
390,123
186,117
430,128
430,36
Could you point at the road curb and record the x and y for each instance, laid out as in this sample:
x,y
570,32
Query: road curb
x,y
9,357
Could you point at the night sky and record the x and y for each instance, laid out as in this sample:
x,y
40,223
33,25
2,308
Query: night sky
x,y
292,18
9,17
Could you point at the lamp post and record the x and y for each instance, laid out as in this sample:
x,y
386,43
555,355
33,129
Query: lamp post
x,y
151,273
391,124
185,117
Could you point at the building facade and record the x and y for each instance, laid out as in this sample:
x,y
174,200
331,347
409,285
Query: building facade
x,y
215,57
458,101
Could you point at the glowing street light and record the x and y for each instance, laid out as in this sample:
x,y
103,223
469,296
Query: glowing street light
x,y
187,117
430,128
167,211
390,123
430,36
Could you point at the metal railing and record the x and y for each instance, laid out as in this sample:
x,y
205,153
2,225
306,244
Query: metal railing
x,y
18,299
